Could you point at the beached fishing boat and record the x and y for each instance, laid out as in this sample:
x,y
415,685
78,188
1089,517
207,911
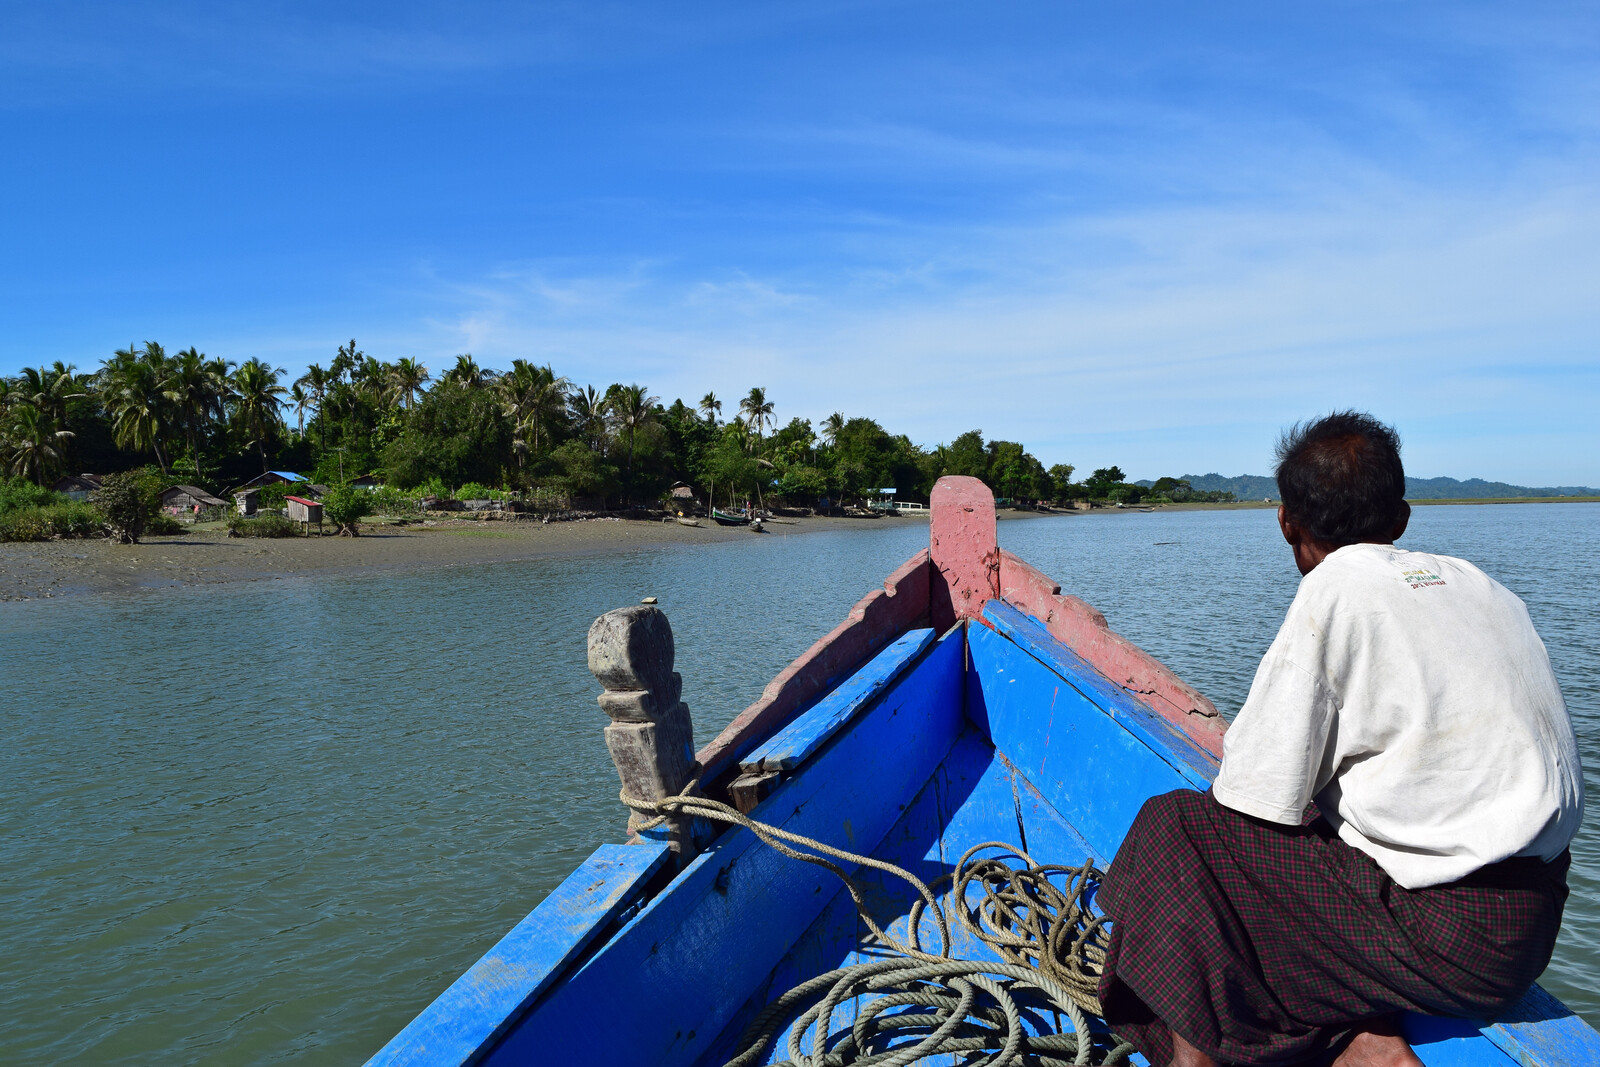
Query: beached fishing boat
x,y
730,518
967,701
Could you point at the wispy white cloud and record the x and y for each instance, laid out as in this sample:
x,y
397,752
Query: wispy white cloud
x,y
1446,311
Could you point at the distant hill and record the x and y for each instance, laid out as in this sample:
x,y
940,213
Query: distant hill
x,y
1255,487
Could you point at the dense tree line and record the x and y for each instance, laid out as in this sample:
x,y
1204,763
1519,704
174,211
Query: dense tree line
x,y
217,423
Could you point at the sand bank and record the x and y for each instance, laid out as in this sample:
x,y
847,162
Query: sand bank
x,y
207,556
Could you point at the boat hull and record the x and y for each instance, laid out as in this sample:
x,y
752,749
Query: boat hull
x,y
921,744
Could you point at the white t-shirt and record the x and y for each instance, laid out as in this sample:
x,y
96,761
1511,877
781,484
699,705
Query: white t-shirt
x,y
1410,696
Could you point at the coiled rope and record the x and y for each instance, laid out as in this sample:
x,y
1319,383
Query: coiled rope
x,y
1031,921
1053,943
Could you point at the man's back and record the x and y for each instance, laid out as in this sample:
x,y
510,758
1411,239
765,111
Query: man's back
x,y
1410,695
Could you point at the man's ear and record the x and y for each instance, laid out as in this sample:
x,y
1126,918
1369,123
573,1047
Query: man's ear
x,y
1402,519
1291,531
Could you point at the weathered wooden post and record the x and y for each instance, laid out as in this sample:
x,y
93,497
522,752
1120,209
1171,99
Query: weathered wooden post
x,y
650,737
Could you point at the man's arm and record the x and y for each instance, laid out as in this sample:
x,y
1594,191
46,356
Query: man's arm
x,y
1274,750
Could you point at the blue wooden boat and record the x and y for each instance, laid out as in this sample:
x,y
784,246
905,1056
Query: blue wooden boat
x,y
967,701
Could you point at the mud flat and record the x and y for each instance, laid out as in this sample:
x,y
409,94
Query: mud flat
x,y
207,556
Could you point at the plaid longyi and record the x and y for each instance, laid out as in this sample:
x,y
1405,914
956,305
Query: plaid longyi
x,y
1263,944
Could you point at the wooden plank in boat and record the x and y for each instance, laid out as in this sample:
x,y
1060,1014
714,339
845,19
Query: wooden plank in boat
x,y
665,986
1133,714
487,999
1085,762
1540,1031
791,746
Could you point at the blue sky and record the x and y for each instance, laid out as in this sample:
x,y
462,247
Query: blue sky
x,y
1141,234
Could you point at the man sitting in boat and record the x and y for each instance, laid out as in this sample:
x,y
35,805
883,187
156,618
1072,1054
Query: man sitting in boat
x,y
1389,828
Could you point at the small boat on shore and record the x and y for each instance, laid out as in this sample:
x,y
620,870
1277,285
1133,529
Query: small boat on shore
x,y
687,522
968,701
730,518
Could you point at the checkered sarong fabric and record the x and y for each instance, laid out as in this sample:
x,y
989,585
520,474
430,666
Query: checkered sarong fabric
x,y
1263,944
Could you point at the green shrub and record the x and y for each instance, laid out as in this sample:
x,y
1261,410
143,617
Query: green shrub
x,y
17,494
26,524
344,506
75,519
388,501
479,491
123,500
72,519
262,526
162,524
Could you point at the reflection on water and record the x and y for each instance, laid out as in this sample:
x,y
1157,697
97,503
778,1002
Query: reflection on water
x,y
245,823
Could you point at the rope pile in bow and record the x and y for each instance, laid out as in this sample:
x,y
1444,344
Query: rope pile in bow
x,y
927,1005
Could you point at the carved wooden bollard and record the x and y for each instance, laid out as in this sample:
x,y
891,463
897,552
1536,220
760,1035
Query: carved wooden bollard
x,y
651,738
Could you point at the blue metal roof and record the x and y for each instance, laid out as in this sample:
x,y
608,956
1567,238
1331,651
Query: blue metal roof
x,y
290,476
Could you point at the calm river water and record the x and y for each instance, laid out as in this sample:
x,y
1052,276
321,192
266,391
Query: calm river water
x,y
249,823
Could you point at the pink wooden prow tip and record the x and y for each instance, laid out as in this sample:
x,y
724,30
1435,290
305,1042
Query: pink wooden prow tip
x,y
963,549
969,570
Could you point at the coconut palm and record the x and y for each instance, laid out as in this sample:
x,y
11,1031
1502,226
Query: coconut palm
x,y
255,402
300,398
48,389
757,410
832,427
32,441
195,387
376,381
408,376
134,392
632,409
532,398
710,407
587,408
466,371
317,380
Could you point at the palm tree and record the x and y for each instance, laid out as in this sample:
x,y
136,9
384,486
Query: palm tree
x,y
532,397
757,410
588,408
49,389
832,427
376,380
466,371
32,441
193,384
300,397
711,407
408,376
632,408
255,402
134,391
317,379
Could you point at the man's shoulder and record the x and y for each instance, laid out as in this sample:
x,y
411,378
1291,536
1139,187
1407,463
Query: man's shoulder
x,y
1368,575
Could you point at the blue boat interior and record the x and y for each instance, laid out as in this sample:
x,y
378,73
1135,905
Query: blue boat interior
x,y
993,731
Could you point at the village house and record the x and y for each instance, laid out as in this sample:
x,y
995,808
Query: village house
x,y
189,503
246,496
303,511
682,498
78,486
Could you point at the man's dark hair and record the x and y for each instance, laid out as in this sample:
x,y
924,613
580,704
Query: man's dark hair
x,y
1340,477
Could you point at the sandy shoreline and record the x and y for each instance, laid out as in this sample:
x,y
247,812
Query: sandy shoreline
x,y
207,556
